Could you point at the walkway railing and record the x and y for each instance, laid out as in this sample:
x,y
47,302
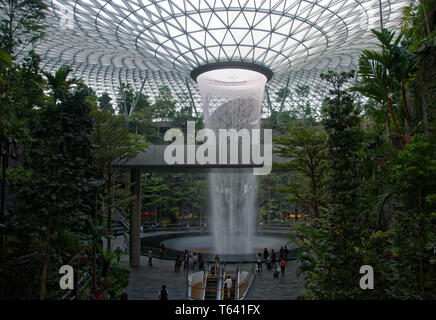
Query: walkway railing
x,y
196,281
78,286
243,283
221,277
171,229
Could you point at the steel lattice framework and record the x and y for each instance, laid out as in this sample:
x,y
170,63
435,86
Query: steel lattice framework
x,y
150,43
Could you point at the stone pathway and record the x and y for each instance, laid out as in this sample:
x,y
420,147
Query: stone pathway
x,y
146,281
266,287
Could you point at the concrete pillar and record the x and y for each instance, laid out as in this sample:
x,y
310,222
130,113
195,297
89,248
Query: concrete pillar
x,y
135,218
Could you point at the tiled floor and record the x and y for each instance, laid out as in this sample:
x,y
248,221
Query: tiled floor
x,y
146,281
266,287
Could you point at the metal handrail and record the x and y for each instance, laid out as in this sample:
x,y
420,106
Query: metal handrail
x,y
247,282
222,286
237,281
205,274
190,284
221,275
78,285
189,280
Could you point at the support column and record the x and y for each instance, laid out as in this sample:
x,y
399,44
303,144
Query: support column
x,y
135,218
269,100
192,98
284,98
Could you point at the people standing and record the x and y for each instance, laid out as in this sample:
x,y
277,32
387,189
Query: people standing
x,y
195,261
229,283
162,250
265,255
268,263
217,263
163,293
282,252
282,266
150,257
177,263
286,251
259,262
186,264
273,259
200,262
191,259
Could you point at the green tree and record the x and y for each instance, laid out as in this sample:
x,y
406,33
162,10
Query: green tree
x,y
195,195
165,106
401,64
125,99
376,82
269,197
419,27
306,149
154,194
23,94
283,93
334,244
386,72
62,189
141,120
413,242
104,102
113,142
302,107
22,24
61,82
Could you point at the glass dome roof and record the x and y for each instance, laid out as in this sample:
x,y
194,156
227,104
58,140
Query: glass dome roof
x,y
161,42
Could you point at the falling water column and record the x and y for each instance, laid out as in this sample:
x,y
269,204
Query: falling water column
x,y
232,99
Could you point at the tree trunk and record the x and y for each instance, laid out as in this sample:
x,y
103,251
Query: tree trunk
x,y
94,253
421,250
388,127
94,267
110,208
406,107
45,261
314,192
394,119
427,83
425,17
201,217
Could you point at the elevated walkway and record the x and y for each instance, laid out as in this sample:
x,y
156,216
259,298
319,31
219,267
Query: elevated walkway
x,y
153,159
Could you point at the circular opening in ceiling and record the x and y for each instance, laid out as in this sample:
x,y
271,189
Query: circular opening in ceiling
x,y
220,72
231,77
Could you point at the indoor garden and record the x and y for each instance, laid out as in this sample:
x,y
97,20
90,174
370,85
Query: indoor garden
x,y
91,92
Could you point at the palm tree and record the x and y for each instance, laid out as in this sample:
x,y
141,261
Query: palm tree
x,y
401,64
59,83
382,72
375,82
